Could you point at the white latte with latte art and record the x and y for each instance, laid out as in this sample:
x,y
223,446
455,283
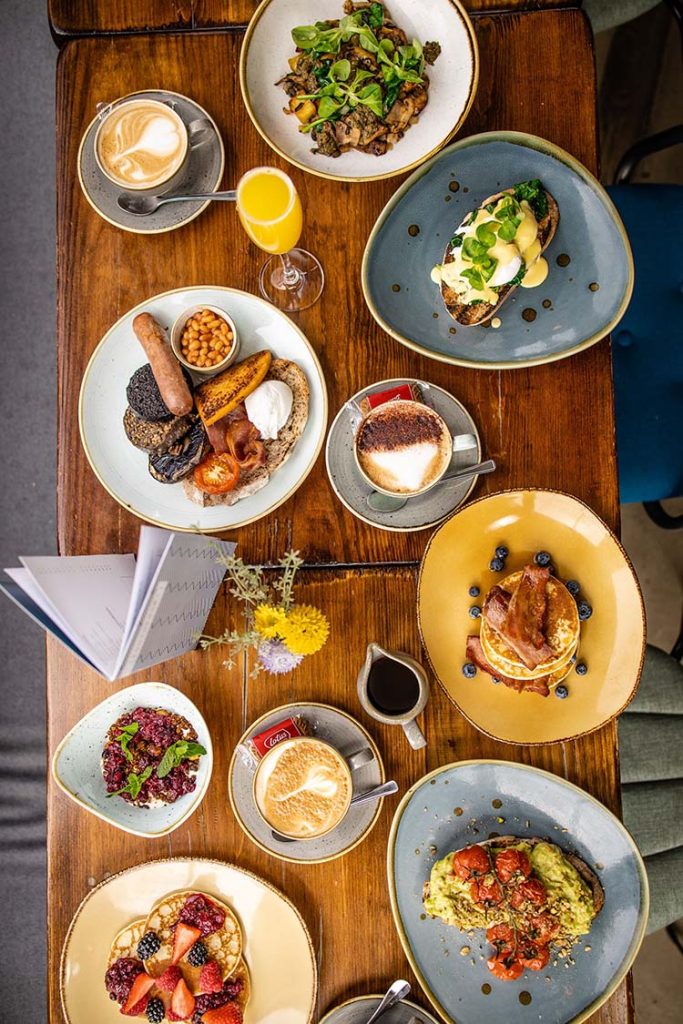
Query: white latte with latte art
x,y
141,144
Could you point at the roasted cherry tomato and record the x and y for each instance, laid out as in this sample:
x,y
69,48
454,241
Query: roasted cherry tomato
x,y
530,891
501,935
532,955
512,862
505,967
486,890
217,474
470,861
543,928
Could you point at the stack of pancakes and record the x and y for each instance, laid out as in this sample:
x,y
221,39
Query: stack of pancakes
x,y
529,631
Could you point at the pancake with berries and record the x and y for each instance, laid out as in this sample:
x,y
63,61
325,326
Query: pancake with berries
x,y
528,894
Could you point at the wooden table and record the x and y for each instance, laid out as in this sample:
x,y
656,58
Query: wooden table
x,y
537,74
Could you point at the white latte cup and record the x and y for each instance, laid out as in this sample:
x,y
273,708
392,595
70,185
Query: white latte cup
x,y
141,145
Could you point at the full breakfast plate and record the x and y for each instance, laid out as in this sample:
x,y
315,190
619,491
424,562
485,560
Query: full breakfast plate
x,y
488,214
254,941
157,463
361,92
569,881
531,616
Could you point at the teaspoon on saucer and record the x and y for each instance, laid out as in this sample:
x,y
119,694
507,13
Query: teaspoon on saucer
x,y
385,789
398,991
143,205
380,502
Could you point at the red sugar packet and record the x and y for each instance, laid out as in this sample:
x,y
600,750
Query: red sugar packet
x,y
405,392
262,742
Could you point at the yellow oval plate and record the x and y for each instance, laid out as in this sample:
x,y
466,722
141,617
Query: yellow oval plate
x,y
277,946
612,642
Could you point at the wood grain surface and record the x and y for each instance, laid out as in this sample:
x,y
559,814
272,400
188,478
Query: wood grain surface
x,y
534,422
326,894
88,17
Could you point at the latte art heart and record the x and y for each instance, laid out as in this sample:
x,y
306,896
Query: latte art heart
x,y
142,143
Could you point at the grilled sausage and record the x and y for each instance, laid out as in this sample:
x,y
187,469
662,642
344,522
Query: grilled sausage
x,y
165,367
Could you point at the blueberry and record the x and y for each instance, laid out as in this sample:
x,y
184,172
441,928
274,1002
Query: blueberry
x,y
552,570
572,659
585,611
475,611
495,679
581,668
542,558
561,692
502,551
573,587
496,565
474,591
469,670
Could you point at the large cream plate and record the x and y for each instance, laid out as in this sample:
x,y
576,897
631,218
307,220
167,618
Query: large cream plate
x,y
122,469
612,641
452,83
277,946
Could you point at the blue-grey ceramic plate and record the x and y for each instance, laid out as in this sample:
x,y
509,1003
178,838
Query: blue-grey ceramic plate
x,y
451,808
569,312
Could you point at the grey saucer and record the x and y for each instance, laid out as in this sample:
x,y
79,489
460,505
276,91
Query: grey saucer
x,y
422,512
203,173
342,732
357,1011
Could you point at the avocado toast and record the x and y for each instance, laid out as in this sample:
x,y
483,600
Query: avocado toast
x,y
527,893
496,248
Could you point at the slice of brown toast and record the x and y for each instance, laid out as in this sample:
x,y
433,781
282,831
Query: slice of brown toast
x,y
586,873
278,449
468,315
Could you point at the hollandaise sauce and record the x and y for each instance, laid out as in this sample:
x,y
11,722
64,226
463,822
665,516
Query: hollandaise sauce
x,y
498,246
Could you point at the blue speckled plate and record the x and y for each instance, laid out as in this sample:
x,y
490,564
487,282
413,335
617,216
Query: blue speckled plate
x,y
451,808
569,312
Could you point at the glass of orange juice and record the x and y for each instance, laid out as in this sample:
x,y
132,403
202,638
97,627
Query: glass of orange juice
x,y
269,208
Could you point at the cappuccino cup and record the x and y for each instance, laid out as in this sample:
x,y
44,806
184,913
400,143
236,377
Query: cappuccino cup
x,y
403,448
303,786
141,144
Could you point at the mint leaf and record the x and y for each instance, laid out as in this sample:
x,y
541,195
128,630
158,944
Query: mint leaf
x,y
134,784
179,751
125,736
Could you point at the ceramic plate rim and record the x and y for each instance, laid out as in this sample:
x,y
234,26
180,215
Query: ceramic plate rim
x,y
371,522
373,746
623,970
189,860
199,794
538,144
474,83
377,995
172,227
612,534
242,522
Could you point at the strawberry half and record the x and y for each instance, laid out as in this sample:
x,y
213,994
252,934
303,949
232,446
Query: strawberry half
x,y
182,1001
228,1014
169,979
211,978
138,996
185,937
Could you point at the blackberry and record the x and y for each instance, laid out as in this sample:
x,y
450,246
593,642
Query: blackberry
x,y
542,558
573,587
496,564
474,591
502,552
475,611
581,668
469,670
148,945
155,1011
198,955
585,610
561,692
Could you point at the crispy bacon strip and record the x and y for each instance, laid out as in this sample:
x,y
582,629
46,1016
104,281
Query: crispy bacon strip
x,y
518,618
475,653
245,445
216,432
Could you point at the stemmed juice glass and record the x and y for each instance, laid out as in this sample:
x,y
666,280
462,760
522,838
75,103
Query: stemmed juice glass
x,y
269,208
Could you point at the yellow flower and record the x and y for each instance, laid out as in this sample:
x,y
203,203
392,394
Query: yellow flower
x,y
269,620
305,629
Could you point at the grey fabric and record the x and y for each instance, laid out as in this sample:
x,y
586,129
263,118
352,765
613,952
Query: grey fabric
x,y
651,756
27,525
606,14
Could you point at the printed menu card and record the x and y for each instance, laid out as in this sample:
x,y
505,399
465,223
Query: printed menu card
x,y
119,613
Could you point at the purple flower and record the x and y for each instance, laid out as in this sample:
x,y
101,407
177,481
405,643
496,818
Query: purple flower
x,y
275,657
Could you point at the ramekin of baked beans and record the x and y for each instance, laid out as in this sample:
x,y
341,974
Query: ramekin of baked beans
x,y
204,339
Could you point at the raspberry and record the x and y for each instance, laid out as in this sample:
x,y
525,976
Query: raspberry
x,y
211,978
169,979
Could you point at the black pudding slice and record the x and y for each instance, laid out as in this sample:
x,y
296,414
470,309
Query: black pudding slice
x,y
144,396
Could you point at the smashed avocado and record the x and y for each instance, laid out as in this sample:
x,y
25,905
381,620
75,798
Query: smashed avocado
x,y
569,898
